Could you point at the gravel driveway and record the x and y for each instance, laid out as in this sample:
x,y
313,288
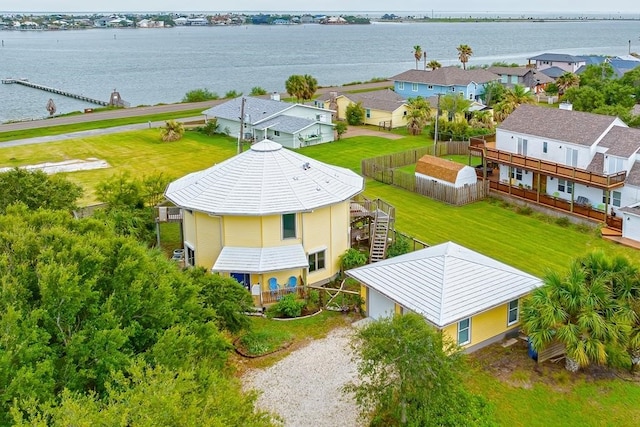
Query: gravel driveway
x,y
304,388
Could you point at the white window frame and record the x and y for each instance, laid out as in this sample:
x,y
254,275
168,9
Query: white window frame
x,y
189,254
367,113
467,329
414,87
565,186
511,309
571,157
315,261
516,173
400,85
429,86
522,146
615,198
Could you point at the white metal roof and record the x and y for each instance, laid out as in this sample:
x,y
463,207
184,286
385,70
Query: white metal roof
x,y
265,180
260,260
446,283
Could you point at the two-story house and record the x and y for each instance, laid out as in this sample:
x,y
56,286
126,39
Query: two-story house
x,y
469,84
523,76
572,158
564,61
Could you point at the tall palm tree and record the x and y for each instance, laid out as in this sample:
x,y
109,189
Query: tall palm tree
x,y
464,53
417,54
512,99
433,64
566,81
418,114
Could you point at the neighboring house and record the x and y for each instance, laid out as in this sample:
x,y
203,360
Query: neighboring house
x,y
473,299
445,171
292,125
382,107
469,84
553,72
582,158
266,215
523,76
566,62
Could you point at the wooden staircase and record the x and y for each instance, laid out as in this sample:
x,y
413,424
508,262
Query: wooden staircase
x,y
378,250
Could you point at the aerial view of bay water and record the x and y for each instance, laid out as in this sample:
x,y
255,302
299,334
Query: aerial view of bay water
x,y
152,66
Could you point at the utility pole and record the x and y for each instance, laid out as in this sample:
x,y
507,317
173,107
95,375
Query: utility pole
x,y
241,133
435,133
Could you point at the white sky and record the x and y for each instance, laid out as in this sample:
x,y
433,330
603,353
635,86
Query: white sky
x,y
539,6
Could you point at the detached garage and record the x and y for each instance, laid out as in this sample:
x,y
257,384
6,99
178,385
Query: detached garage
x,y
470,297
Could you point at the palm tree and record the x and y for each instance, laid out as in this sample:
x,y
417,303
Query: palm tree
x,y
464,53
172,131
512,99
433,64
418,114
580,311
566,81
417,54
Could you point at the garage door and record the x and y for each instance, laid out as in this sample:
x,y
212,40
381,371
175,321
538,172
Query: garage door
x,y
379,305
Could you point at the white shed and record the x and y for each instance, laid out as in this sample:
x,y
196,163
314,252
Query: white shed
x,y
445,171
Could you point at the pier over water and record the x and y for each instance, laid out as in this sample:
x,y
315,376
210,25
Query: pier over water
x,y
26,82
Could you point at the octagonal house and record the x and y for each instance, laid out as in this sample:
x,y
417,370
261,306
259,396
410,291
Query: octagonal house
x,y
271,218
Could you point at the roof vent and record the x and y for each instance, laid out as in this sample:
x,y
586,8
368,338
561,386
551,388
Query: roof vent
x,y
306,166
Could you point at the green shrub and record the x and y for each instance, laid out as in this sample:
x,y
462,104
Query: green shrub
x,y
399,246
355,114
352,258
562,221
313,300
232,94
199,95
257,91
210,128
288,306
524,210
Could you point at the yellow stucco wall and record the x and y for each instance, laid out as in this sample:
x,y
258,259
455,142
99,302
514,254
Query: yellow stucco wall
x,y
326,229
484,326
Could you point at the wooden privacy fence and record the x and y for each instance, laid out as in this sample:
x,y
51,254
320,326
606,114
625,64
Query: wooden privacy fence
x,y
375,165
444,148
456,196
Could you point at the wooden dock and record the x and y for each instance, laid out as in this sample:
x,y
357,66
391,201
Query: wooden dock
x,y
26,82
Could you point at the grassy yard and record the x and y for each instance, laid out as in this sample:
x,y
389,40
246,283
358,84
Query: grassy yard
x,y
100,124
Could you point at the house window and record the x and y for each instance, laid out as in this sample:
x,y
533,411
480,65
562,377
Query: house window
x,y
368,113
517,174
316,261
289,226
514,80
504,79
565,186
545,147
430,87
614,200
191,256
616,164
276,133
400,85
512,312
464,331
453,88
522,146
414,87
572,157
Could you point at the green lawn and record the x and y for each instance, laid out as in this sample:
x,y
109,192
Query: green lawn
x,y
530,242
100,124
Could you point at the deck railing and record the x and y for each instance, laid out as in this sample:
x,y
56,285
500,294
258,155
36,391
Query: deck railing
x,y
581,176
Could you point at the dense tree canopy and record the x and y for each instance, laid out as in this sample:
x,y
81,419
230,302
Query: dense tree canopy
x,y
302,87
80,307
36,189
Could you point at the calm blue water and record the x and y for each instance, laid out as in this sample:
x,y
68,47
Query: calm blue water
x,y
150,66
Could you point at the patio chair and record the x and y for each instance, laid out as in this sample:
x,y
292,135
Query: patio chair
x,y
291,285
274,288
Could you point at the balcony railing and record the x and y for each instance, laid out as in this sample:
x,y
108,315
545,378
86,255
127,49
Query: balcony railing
x,y
581,176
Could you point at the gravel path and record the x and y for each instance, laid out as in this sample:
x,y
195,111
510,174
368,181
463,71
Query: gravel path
x,y
304,388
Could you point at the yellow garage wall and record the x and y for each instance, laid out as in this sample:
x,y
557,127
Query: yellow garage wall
x,y
209,240
484,326
398,117
245,231
376,116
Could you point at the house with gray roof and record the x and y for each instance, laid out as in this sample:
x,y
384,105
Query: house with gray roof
x,y
564,61
383,108
470,297
291,125
524,76
469,84
268,217
579,159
